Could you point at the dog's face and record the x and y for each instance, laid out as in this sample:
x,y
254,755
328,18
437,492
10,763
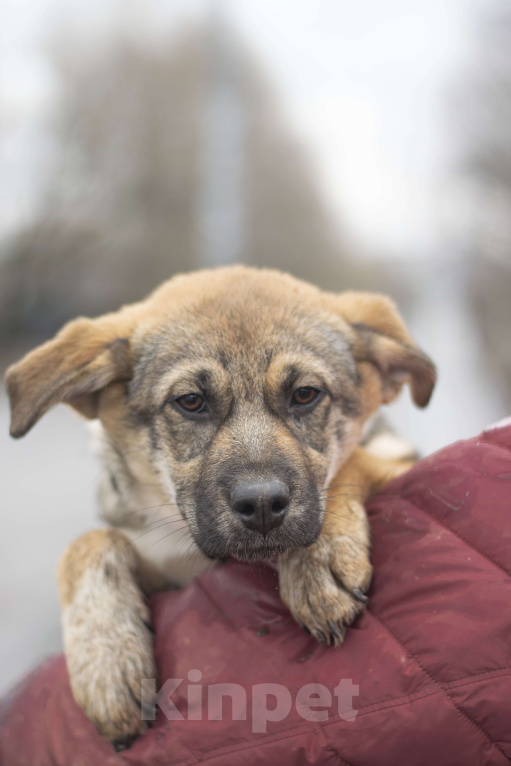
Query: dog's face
x,y
241,392
249,403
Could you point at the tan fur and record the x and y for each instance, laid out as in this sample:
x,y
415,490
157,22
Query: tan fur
x,y
248,334
107,634
88,552
324,585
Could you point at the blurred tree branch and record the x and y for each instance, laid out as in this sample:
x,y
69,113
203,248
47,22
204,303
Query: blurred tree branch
x,y
120,213
483,117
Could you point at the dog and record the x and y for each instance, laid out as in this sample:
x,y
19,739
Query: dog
x,y
234,402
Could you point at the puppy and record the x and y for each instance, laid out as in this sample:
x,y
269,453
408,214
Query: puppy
x,y
230,408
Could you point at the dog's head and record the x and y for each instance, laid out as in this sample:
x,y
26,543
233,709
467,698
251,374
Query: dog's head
x,y
240,392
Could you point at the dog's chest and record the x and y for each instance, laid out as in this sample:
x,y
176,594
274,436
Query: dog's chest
x,y
168,546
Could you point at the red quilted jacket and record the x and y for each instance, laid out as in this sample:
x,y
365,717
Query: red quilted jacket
x,y
431,657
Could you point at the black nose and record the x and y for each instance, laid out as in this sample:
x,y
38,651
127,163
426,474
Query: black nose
x,y
261,505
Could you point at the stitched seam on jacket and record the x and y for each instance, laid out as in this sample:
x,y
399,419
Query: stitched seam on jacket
x,y
499,673
334,720
460,710
442,524
303,728
432,688
329,745
453,532
317,727
332,749
427,691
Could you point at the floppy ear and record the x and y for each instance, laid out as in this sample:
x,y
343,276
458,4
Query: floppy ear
x,y
381,338
85,356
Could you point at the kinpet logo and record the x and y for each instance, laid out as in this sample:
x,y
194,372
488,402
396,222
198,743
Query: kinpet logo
x,y
266,702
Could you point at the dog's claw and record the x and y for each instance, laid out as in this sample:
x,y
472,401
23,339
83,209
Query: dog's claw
x,y
334,630
306,629
124,743
359,595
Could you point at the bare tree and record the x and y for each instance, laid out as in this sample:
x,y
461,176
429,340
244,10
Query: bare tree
x,y
483,109
121,212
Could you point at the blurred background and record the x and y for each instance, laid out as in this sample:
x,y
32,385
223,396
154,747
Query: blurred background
x,y
357,145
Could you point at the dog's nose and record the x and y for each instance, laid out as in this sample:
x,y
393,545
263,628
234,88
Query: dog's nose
x,y
261,505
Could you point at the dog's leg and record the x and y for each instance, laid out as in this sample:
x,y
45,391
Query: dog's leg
x,y
324,585
107,636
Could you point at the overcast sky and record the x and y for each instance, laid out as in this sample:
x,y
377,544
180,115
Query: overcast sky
x,y
364,84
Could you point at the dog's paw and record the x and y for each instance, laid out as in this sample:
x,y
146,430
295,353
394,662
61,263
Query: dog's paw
x,y
109,650
324,586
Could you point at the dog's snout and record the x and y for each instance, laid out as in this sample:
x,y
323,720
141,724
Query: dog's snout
x,y
261,505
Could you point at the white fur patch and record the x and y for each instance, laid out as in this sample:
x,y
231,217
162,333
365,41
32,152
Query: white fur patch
x,y
166,543
148,516
390,446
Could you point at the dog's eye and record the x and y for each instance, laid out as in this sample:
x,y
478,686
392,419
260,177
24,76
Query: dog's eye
x,y
191,403
304,395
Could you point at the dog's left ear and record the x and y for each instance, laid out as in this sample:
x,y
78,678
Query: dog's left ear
x,y
83,358
382,339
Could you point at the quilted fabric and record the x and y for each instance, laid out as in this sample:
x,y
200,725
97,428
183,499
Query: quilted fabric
x,y
431,657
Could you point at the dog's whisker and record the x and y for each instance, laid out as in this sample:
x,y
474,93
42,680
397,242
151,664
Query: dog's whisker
x,y
184,554
319,540
197,556
142,510
188,547
185,526
164,518
163,524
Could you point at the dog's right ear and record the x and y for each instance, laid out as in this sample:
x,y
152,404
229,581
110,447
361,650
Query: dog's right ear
x,y
84,357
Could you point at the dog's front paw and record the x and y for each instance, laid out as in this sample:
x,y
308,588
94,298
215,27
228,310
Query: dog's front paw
x,y
324,586
109,650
